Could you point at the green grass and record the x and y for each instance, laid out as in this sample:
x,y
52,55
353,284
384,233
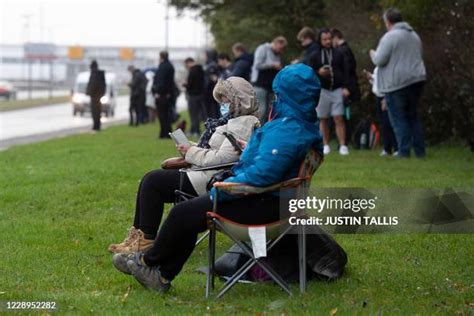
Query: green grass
x,y
63,201
25,104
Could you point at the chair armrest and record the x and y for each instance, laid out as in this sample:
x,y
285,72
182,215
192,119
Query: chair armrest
x,y
245,189
213,167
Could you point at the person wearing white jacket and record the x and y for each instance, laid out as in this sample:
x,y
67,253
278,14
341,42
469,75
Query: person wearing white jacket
x,y
390,146
239,111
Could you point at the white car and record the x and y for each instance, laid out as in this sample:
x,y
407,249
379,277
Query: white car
x,y
7,90
81,103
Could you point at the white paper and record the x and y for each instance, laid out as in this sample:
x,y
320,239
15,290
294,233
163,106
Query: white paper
x,y
258,238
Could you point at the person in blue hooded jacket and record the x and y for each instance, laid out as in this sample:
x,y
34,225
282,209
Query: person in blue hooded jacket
x,y
273,154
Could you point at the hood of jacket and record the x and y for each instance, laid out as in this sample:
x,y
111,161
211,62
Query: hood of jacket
x,y
402,26
241,94
297,90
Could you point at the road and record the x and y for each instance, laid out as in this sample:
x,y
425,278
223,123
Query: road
x,y
50,121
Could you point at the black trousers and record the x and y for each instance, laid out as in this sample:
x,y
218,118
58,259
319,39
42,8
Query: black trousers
x,y
196,107
157,188
178,234
96,110
388,136
137,108
133,110
163,105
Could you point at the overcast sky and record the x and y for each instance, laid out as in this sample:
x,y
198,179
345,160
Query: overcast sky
x,y
98,22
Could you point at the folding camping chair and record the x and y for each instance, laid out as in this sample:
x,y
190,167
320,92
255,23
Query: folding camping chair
x,y
240,233
182,196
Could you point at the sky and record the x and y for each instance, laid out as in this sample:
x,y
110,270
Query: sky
x,y
99,23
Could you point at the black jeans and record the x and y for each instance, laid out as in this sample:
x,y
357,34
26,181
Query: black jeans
x,y
137,109
96,109
388,137
163,104
157,188
196,107
178,234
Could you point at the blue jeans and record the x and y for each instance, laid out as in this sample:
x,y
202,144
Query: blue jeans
x,y
402,110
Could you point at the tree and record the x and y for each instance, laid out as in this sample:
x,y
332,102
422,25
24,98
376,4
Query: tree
x,y
253,22
446,28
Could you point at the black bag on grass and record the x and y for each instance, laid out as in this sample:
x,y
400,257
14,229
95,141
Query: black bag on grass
x,y
325,258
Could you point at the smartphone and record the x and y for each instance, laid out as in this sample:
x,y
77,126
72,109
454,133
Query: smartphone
x,y
233,141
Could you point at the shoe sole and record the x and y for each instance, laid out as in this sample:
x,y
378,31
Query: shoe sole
x,y
160,289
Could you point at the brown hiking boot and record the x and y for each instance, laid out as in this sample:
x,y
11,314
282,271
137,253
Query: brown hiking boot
x,y
132,235
134,242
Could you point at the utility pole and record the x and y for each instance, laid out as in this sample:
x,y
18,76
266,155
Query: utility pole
x,y
26,39
167,18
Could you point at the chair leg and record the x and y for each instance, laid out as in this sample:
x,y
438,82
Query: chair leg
x,y
302,257
275,276
201,239
236,277
211,259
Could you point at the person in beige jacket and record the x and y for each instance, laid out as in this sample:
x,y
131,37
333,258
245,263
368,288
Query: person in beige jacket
x,y
239,111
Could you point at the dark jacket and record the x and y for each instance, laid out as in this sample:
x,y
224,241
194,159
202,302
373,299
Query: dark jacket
x,y
138,84
242,66
195,82
351,65
163,82
340,78
308,51
96,86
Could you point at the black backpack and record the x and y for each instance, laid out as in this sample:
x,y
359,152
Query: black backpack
x,y
366,135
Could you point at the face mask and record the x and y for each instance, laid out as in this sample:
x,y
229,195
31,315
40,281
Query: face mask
x,y
225,108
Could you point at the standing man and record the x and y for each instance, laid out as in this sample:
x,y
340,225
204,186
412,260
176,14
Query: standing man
x,y
242,66
96,88
339,43
211,108
267,63
163,88
329,64
401,77
225,65
137,96
195,91
307,39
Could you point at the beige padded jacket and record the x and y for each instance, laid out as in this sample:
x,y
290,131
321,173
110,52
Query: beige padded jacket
x,y
221,150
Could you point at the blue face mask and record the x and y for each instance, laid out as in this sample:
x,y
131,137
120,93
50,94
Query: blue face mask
x,y
225,108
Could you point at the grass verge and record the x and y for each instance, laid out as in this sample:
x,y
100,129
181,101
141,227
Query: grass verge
x,y
25,104
63,201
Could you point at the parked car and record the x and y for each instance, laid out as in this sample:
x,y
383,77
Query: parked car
x,y
81,103
7,90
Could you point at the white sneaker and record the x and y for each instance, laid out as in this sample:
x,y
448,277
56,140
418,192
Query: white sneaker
x,y
343,150
395,154
327,149
383,153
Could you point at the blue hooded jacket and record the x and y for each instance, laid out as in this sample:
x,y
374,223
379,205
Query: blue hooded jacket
x,y
275,151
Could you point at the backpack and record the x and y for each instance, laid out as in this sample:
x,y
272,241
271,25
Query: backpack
x,y
366,135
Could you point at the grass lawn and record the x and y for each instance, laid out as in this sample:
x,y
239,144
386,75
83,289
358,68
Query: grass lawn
x,y
63,201
25,104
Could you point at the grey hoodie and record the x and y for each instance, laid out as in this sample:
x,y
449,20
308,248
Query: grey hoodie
x,y
399,59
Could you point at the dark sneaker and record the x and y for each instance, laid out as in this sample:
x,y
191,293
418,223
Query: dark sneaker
x,y
120,262
149,277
